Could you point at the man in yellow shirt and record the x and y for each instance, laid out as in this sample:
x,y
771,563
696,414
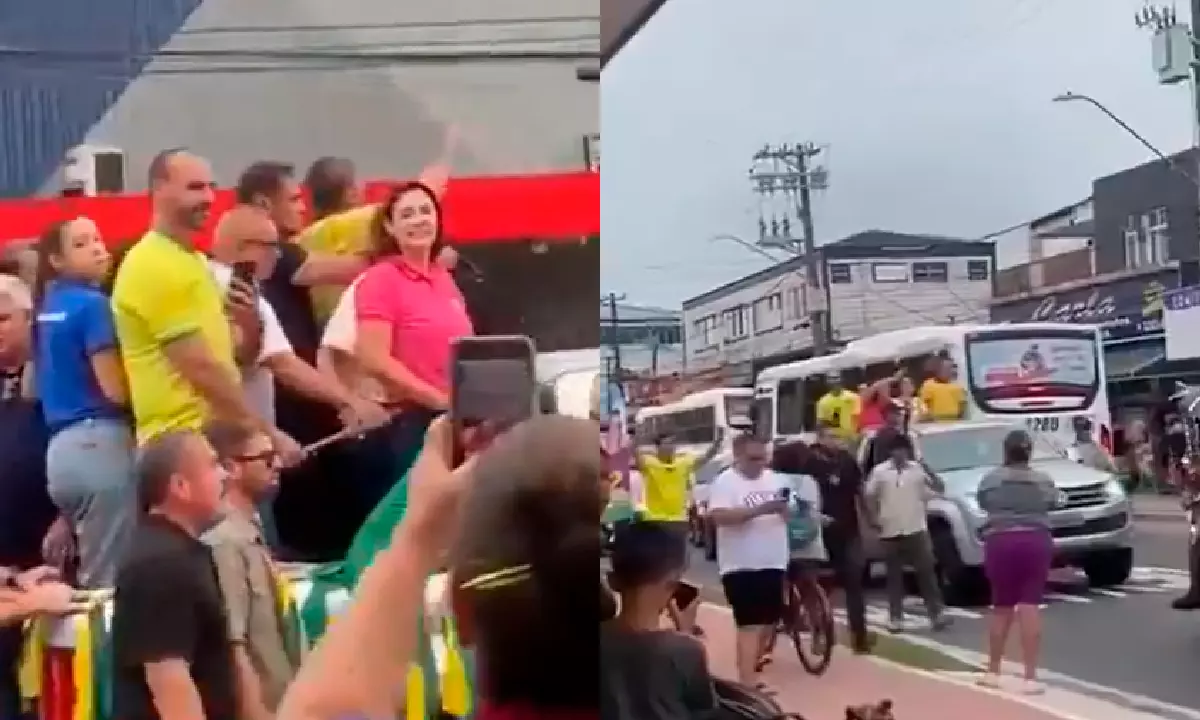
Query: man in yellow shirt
x,y
667,476
839,408
944,399
342,224
176,338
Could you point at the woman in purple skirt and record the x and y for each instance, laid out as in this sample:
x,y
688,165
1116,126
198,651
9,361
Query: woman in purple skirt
x,y
1017,552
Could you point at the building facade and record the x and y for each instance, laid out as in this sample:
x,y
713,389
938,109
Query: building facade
x,y
1141,241
649,340
874,281
371,80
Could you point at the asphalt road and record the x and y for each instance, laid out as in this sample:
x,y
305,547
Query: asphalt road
x,y
1125,638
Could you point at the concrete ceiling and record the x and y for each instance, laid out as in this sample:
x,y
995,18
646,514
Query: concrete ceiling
x,y
620,20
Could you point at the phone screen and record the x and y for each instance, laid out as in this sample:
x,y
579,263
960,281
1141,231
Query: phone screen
x,y
494,382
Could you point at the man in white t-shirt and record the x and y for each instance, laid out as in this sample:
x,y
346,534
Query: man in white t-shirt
x,y
246,234
749,505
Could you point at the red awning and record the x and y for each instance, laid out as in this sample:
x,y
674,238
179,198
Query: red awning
x,y
479,209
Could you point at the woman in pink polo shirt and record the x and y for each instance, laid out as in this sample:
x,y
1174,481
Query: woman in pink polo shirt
x,y
408,310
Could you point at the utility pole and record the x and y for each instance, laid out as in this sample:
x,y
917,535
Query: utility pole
x,y
784,177
613,369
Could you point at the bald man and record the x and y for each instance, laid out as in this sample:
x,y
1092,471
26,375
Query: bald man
x,y
246,235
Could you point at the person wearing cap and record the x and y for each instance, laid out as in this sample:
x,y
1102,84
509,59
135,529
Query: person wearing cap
x,y
1018,551
1085,450
839,408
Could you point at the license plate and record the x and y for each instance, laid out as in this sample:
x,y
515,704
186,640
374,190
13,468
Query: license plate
x,y
1042,424
1066,519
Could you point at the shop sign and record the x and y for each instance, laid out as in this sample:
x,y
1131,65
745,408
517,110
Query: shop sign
x,y
1123,309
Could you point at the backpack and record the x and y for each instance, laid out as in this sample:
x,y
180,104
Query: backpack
x,y
736,701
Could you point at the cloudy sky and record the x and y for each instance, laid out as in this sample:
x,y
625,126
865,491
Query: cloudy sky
x,y
936,113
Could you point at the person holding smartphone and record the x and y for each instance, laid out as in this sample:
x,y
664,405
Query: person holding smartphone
x,y
747,505
647,572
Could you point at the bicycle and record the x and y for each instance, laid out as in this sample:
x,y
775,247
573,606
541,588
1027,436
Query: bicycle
x,y
807,620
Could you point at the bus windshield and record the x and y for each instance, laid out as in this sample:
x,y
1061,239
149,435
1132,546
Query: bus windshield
x,y
1022,371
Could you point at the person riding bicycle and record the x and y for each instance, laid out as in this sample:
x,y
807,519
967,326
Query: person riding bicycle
x,y
646,671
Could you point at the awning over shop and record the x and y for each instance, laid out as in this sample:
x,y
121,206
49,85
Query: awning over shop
x,y
1124,362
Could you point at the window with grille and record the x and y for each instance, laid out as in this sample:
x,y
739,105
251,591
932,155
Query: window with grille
x,y
930,272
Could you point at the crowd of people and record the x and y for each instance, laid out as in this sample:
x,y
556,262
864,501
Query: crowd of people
x,y
178,421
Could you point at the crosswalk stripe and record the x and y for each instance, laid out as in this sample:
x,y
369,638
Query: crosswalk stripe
x,y
1143,589
1109,593
1064,597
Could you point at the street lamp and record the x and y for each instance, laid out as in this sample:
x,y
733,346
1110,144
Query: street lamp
x,y
752,247
1071,97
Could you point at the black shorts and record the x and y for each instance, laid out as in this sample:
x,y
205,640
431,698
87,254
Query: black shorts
x,y
755,596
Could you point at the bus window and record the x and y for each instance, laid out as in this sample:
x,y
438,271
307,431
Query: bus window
x,y
762,415
814,389
697,426
737,410
790,401
1023,371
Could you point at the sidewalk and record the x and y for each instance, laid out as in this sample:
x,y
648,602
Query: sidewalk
x,y
854,680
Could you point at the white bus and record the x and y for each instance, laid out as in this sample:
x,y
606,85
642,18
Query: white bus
x,y
1044,374
693,420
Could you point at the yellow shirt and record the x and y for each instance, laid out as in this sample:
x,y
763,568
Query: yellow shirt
x,y
346,233
943,400
162,292
840,410
666,487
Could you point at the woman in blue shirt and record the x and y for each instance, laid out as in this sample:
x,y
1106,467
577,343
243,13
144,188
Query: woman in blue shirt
x,y
81,382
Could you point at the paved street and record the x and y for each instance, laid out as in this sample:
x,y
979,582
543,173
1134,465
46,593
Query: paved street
x,y
1125,638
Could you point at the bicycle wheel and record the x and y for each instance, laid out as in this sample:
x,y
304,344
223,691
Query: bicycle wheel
x,y
810,625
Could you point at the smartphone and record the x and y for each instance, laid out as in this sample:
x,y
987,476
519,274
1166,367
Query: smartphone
x,y
244,272
785,494
494,381
685,594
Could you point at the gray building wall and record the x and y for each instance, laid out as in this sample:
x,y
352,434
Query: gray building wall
x,y
1138,190
764,315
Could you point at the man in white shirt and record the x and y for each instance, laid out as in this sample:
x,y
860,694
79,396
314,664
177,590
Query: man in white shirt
x,y
246,234
749,505
897,491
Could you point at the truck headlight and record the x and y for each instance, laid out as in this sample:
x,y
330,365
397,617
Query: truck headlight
x,y
1114,489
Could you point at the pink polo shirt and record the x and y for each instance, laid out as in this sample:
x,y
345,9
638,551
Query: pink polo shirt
x,y
425,309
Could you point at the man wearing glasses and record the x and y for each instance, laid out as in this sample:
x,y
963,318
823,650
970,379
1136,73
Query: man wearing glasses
x,y
265,658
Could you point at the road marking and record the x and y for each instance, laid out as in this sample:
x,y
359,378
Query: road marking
x,y
1109,593
1064,597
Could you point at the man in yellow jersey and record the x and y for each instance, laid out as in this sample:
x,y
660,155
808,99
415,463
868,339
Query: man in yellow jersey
x,y
943,397
175,328
342,224
838,409
667,478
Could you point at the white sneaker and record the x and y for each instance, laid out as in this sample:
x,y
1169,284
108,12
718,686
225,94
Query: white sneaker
x,y
989,680
1032,687
895,627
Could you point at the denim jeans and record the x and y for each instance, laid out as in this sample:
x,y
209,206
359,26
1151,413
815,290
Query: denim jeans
x,y
90,471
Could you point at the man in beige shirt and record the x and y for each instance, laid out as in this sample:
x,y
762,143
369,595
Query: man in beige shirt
x,y
265,657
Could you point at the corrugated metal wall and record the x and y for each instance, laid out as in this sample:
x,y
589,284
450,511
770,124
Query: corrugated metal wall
x,y
63,63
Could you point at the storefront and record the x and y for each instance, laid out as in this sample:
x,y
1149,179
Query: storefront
x,y
1130,313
